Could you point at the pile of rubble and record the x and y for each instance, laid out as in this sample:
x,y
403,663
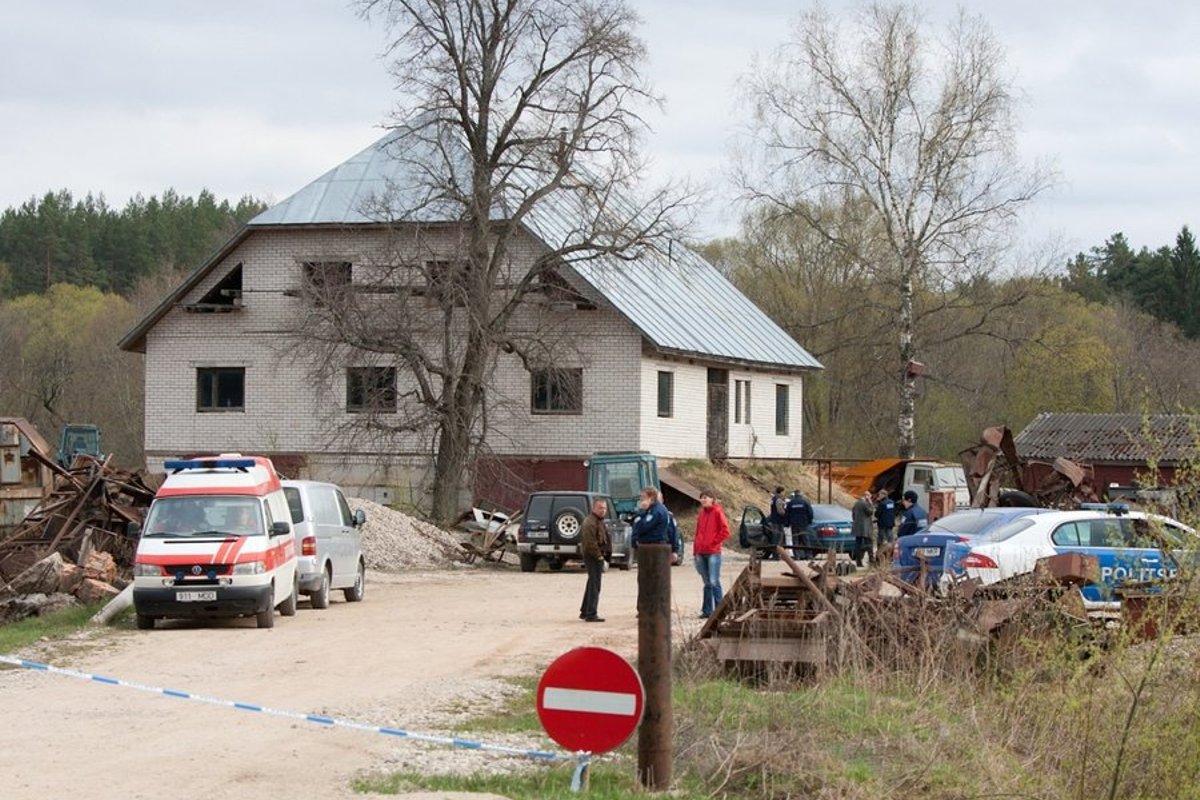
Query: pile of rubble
x,y
53,584
392,541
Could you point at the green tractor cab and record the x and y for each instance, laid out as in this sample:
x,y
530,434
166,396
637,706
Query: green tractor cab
x,y
622,476
78,440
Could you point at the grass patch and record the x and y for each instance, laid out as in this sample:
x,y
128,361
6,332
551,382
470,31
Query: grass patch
x,y
57,625
517,714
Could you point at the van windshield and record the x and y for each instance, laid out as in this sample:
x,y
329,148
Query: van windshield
x,y
205,516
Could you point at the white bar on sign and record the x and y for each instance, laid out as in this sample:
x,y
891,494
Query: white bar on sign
x,y
620,703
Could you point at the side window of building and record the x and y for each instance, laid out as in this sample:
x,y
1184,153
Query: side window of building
x,y
326,282
220,388
556,391
371,389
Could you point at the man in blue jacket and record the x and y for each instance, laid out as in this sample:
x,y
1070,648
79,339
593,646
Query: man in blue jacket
x,y
914,517
799,519
653,525
885,518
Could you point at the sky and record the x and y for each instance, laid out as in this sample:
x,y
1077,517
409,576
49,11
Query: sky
x,y
259,97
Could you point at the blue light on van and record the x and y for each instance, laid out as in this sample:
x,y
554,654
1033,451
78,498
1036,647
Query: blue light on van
x,y
209,463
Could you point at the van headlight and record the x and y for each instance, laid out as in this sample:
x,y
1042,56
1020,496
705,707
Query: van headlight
x,y
147,571
249,568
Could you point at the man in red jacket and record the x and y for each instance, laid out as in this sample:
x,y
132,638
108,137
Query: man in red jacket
x,y
712,529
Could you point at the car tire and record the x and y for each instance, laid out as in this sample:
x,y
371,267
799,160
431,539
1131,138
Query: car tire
x,y
528,562
320,596
624,565
1014,498
555,564
354,594
568,524
265,619
145,622
288,607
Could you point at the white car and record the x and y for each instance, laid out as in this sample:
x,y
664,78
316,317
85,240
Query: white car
x,y
329,553
1129,546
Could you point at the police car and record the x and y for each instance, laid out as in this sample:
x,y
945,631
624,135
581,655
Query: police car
x,y
1130,546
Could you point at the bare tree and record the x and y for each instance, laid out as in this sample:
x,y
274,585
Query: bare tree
x,y
518,115
915,130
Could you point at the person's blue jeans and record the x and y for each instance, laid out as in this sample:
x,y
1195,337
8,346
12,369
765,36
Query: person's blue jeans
x,y
709,567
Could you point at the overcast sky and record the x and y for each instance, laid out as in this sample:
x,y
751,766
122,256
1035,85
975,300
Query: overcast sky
x,y
259,97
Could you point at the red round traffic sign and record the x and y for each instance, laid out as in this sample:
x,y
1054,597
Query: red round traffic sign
x,y
590,699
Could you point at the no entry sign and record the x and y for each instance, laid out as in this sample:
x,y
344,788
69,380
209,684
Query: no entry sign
x,y
590,699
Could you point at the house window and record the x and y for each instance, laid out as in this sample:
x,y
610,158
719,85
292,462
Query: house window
x,y
221,389
781,409
371,389
557,391
326,281
741,401
666,394
444,281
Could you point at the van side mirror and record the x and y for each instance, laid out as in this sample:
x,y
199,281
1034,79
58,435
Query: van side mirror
x,y
360,518
281,528
133,530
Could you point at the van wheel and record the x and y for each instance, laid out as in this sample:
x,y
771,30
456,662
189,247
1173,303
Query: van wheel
x,y
528,562
288,607
320,598
266,619
355,593
145,623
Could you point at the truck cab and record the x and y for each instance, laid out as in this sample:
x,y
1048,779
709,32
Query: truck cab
x,y
621,476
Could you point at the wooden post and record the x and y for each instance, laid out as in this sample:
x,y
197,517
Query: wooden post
x,y
654,665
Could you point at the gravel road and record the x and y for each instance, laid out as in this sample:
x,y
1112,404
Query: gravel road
x,y
423,649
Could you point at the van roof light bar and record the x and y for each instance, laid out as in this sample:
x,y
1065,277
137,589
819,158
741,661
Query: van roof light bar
x,y
179,465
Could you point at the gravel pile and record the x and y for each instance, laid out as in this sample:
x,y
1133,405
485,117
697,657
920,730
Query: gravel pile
x,y
392,541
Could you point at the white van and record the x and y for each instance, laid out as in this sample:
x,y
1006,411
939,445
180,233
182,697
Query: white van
x,y
327,540
217,542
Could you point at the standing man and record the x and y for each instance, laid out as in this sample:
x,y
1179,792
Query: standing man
x,y
777,521
594,542
914,517
799,519
860,523
885,519
712,529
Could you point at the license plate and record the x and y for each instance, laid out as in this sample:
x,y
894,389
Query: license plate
x,y
928,552
195,597
537,535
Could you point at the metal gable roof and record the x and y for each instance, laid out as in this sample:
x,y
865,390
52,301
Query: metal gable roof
x,y
678,301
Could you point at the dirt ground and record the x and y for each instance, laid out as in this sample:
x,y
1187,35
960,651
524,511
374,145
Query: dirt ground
x,y
421,649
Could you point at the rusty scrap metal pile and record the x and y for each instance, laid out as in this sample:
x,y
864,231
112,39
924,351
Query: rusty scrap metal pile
x,y
813,618
74,542
993,463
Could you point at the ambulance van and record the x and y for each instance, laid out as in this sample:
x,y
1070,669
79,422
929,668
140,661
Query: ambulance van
x,y
217,542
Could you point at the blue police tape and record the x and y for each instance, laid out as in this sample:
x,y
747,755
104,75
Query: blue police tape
x,y
582,759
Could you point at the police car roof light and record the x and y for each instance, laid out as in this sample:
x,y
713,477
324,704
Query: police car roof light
x,y
180,465
1111,508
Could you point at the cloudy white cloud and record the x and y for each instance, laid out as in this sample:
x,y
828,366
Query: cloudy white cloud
x,y
260,97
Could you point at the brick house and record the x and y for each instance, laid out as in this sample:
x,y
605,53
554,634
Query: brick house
x,y
661,354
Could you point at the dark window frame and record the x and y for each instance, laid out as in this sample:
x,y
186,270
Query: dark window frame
x,y
549,396
216,392
326,281
666,393
371,390
782,409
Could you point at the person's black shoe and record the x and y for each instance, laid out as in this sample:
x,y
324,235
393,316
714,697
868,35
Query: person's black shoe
x,y
582,615
593,619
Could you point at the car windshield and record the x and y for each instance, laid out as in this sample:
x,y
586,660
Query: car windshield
x,y
205,516
1008,529
966,523
949,476
830,513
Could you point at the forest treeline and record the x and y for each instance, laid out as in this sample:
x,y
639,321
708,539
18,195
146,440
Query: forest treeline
x,y
1113,329
75,276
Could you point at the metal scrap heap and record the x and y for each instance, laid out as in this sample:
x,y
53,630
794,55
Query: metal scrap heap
x,y
74,542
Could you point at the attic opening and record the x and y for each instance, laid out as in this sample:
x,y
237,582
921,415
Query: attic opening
x,y
559,294
226,296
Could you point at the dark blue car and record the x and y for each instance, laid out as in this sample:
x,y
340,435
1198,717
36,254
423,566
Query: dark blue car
x,y
831,530
932,544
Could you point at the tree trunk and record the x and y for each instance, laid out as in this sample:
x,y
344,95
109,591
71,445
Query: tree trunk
x,y
905,436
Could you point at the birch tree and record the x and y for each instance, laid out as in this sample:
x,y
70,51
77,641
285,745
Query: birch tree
x,y
917,130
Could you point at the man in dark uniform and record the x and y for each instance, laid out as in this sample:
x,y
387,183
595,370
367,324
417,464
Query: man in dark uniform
x,y
799,518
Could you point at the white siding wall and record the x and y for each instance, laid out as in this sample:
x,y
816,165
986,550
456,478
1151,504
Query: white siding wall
x,y
684,434
756,438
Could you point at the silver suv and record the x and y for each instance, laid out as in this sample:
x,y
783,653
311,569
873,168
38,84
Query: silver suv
x,y
327,545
